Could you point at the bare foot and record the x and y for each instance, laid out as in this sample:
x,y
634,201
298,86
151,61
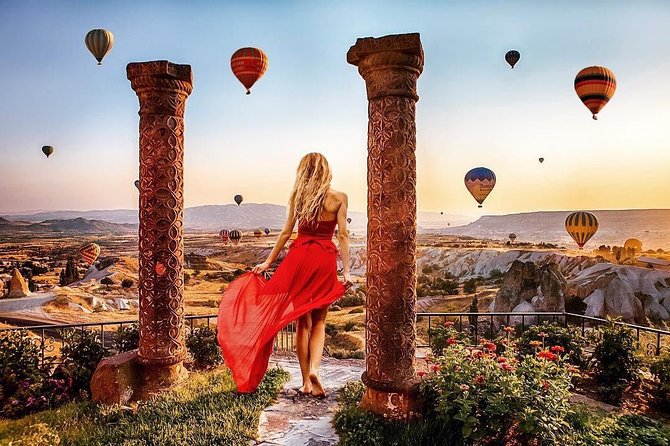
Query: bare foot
x,y
305,390
317,389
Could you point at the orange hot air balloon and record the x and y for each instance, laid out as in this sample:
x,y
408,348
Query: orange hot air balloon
x,y
249,65
581,226
89,253
595,86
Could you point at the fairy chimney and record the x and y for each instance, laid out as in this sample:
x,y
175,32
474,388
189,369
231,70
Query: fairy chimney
x,y
17,285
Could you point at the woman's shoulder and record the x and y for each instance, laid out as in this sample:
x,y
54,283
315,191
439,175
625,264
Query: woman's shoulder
x,y
337,195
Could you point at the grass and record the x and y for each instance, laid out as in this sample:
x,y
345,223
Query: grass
x,y
205,410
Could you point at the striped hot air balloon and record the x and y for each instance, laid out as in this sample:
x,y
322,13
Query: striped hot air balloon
x,y
512,57
248,65
235,236
581,226
89,253
99,42
480,182
225,236
595,86
258,233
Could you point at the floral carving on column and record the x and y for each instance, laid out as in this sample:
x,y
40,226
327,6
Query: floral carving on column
x,y
162,88
390,67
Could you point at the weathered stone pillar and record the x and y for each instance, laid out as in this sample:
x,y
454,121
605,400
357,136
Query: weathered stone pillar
x,y
162,88
390,66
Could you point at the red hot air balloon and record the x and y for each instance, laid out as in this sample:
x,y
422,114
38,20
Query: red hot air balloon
x,y
224,234
248,65
595,86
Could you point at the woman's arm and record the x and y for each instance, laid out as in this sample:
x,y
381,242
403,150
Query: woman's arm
x,y
282,238
343,236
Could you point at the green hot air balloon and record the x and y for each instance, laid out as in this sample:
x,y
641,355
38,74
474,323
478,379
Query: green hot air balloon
x,y
47,150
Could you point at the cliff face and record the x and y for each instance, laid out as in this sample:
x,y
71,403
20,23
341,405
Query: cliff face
x,y
630,292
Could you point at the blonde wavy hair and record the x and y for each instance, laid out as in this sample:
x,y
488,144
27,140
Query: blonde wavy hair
x,y
312,182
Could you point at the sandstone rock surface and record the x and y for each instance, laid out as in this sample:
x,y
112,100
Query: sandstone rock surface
x,y
17,285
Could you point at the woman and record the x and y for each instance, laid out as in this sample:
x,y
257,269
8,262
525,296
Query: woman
x,y
253,309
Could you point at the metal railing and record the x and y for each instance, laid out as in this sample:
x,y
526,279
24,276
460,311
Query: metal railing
x,y
48,337
653,340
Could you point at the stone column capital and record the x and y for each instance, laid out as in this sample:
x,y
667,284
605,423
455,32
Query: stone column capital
x,y
390,65
162,86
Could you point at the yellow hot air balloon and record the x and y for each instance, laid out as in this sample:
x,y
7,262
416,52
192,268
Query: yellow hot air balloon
x,y
595,86
632,246
89,253
581,226
99,42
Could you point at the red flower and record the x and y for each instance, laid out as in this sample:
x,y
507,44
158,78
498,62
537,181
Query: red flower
x,y
557,349
506,366
543,335
483,341
435,368
502,359
545,384
490,346
451,341
546,354
449,324
421,373
479,379
465,387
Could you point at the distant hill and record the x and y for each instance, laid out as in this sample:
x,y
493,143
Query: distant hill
x,y
651,226
215,217
76,225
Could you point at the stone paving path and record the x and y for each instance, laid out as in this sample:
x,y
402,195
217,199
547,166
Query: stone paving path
x,y
297,420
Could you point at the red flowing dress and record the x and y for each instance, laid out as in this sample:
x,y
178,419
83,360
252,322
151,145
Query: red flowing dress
x,y
253,310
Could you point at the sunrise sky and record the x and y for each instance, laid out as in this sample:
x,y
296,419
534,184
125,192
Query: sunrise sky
x,y
473,111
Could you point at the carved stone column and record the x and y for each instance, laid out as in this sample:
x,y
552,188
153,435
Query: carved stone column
x,y
390,66
162,88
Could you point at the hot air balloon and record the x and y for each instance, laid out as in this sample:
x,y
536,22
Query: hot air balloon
x,y
99,42
581,226
480,182
47,150
137,184
238,199
267,231
512,57
235,236
224,235
441,213
512,237
348,220
248,65
595,86
634,245
541,160
89,253
258,233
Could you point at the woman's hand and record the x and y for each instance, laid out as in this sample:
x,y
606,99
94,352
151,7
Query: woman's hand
x,y
347,278
261,267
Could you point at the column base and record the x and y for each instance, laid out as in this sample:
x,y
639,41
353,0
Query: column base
x,y
394,405
121,379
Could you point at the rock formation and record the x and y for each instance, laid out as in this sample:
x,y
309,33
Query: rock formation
x,y
17,285
528,288
2,288
70,274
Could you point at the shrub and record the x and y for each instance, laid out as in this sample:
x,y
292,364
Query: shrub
x,y
447,286
20,372
351,393
107,281
187,278
569,338
444,335
356,311
204,348
127,283
616,364
331,329
574,304
428,269
127,338
350,300
491,399
470,286
80,354
340,353
350,325
335,308
496,275
660,368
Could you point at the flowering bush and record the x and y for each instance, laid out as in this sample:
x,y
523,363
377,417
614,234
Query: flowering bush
x,y
443,336
660,368
495,398
553,334
127,338
80,355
